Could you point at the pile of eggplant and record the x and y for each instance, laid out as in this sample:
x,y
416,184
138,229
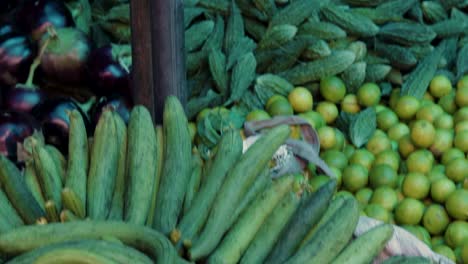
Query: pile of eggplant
x,y
59,55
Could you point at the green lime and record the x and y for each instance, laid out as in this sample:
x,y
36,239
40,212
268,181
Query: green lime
x,y
376,211
355,177
334,158
301,100
385,197
369,94
332,89
257,115
382,175
445,250
435,219
364,195
456,233
409,211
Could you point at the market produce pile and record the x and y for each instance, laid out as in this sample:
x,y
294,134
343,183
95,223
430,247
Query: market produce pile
x,y
132,180
367,102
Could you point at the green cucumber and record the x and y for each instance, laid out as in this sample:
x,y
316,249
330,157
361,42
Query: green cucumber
x,y
159,166
141,167
366,247
118,200
176,170
72,202
51,211
334,205
30,177
9,217
78,162
246,227
18,193
103,167
261,182
194,182
331,237
48,174
72,255
68,216
268,234
309,212
114,251
236,184
59,160
27,238
229,150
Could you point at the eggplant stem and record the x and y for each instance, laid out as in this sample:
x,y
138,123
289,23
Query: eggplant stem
x,y
86,106
37,61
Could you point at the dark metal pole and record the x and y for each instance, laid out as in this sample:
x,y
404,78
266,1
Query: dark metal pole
x,y
167,32
142,63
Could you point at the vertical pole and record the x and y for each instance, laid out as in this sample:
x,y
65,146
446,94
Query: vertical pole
x,y
142,64
167,30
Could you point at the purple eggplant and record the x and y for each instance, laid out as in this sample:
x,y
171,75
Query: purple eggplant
x,y
108,70
22,99
35,16
14,128
65,55
118,103
16,54
53,117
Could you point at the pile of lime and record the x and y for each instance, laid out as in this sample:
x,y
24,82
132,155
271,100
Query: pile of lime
x,y
413,170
